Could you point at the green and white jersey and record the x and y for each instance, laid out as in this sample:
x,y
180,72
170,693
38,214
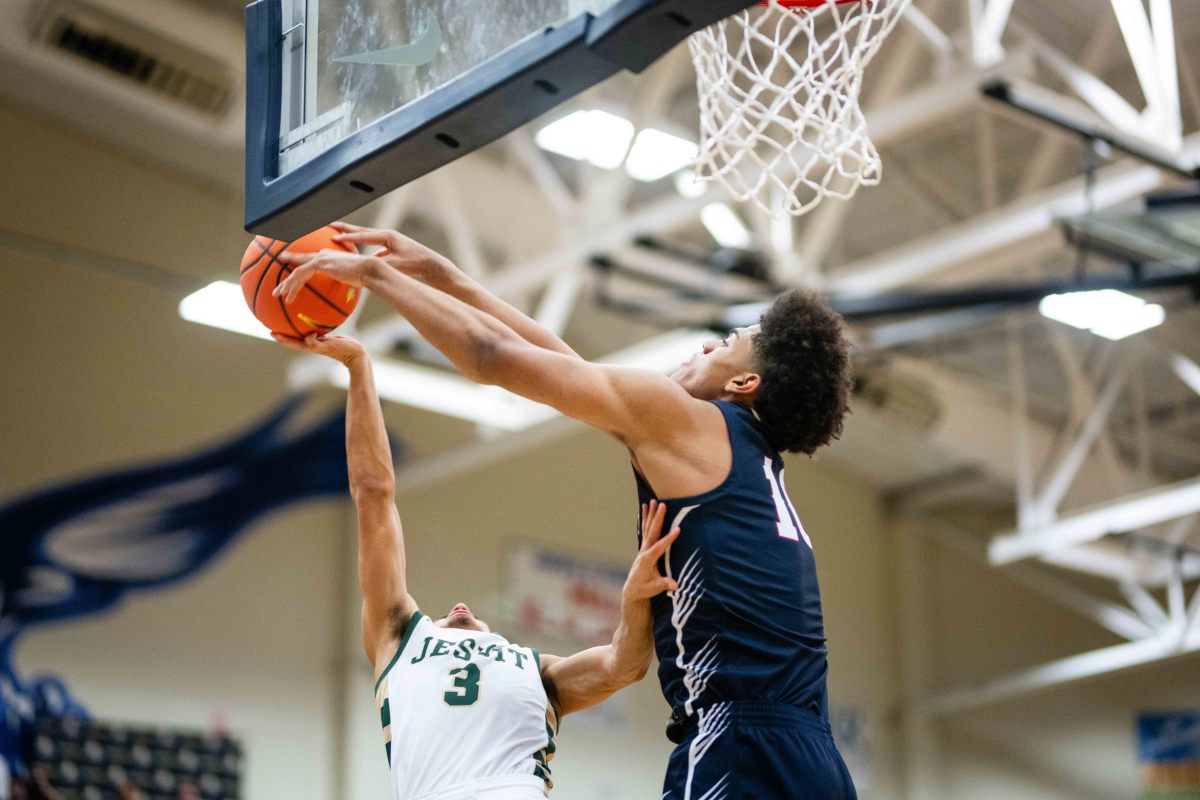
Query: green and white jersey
x,y
465,714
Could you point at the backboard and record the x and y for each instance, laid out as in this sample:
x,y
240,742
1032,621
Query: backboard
x,y
348,99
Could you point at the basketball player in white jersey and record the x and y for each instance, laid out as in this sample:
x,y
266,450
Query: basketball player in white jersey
x,y
466,714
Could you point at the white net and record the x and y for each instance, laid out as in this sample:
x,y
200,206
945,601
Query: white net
x,y
780,121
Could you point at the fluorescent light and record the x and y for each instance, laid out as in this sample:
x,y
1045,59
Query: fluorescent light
x,y
222,305
689,184
656,154
1150,315
1106,312
594,136
725,226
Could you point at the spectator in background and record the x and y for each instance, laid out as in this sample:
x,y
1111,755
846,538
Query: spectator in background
x,y
127,791
188,791
36,787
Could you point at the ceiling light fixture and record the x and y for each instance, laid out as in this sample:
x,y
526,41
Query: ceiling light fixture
x,y
725,226
689,184
222,305
595,136
1105,312
656,154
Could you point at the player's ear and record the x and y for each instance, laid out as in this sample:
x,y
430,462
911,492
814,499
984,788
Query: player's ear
x,y
745,384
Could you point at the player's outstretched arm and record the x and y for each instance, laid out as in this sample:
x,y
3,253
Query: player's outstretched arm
x,y
590,676
638,406
387,605
427,265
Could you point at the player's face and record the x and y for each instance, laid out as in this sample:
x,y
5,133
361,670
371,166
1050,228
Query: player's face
x,y
461,617
706,373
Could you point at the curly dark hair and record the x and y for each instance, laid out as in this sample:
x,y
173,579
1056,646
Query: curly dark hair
x,y
804,360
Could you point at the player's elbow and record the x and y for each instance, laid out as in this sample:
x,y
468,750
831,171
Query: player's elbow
x,y
490,353
628,672
365,488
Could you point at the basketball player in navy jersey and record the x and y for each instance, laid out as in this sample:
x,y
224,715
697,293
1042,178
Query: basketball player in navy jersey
x,y
740,642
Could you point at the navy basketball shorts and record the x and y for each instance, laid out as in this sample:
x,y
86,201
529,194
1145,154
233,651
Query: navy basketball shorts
x,y
755,751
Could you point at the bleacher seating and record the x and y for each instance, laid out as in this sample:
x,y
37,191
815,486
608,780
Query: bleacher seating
x,y
91,760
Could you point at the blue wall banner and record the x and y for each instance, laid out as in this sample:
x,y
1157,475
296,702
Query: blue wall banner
x,y
1169,754
76,549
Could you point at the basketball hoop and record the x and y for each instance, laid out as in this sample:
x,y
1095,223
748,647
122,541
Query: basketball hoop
x,y
780,121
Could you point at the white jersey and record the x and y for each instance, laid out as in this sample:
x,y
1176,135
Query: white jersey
x,y
465,715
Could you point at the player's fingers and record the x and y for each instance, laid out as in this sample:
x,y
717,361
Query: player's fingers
x,y
292,284
363,236
347,227
650,529
659,513
668,585
661,546
288,257
297,281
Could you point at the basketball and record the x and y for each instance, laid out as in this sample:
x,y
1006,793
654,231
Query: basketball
x,y
321,306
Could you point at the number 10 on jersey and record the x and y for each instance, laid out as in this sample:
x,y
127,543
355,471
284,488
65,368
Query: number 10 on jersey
x,y
785,514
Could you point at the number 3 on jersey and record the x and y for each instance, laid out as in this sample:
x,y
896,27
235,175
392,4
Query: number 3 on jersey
x,y
785,516
466,683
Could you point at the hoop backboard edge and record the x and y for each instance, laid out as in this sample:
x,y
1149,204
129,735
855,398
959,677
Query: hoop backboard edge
x,y
476,108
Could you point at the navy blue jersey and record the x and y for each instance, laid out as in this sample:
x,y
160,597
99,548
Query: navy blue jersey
x,y
745,623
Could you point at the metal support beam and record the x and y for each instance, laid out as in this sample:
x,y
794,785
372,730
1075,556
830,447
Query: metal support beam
x,y
1066,670
1144,604
464,244
1110,616
1083,399
1187,371
1118,516
559,300
562,200
1003,227
1053,144
1022,456
934,38
987,20
943,99
1069,462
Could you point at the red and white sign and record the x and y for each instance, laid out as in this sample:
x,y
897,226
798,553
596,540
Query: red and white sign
x,y
563,596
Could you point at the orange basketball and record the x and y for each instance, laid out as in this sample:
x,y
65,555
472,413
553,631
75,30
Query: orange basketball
x,y
323,303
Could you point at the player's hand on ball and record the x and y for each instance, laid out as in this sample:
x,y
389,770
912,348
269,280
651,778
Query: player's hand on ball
x,y
349,268
398,251
644,579
342,348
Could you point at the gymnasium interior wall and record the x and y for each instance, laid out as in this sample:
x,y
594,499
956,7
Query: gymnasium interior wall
x,y
1074,741
101,372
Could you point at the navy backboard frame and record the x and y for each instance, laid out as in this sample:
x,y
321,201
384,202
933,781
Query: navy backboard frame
x,y
476,107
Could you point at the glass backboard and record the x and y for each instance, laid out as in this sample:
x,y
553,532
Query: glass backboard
x,y
348,99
